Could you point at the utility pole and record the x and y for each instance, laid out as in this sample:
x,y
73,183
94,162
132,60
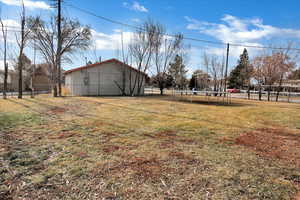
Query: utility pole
x,y
59,43
226,68
4,35
124,68
33,72
21,49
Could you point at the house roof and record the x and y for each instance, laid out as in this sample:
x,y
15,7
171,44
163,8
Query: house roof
x,y
103,62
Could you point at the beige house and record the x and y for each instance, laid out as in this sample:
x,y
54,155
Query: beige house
x,y
291,83
12,81
41,78
105,78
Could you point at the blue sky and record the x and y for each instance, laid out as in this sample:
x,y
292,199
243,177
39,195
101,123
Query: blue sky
x,y
252,22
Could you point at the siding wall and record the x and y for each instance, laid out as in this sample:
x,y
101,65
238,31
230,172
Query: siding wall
x,y
100,80
13,81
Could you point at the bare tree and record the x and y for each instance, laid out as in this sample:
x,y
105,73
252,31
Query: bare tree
x,y
22,41
141,50
4,36
258,63
122,87
272,68
285,62
165,49
215,68
74,37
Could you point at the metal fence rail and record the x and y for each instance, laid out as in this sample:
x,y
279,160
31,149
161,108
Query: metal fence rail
x,y
293,97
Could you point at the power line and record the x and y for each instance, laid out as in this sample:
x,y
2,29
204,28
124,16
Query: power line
x,y
186,38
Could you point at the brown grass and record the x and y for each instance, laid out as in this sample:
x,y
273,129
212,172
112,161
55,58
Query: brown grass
x,y
147,148
276,143
57,110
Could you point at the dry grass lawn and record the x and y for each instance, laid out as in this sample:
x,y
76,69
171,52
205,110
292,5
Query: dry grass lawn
x,y
148,148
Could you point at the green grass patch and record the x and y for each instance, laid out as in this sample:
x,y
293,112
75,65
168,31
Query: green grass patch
x,y
12,120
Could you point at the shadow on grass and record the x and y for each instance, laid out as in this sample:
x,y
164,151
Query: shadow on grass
x,y
25,106
157,112
210,101
206,102
90,115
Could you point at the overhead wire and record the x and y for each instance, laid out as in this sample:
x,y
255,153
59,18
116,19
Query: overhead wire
x,y
185,38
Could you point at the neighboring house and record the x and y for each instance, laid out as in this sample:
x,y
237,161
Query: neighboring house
x,y
291,83
12,81
103,78
41,78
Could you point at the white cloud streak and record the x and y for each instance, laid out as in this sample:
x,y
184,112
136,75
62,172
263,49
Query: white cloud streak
x,y
28,3
240,31
12,26
135,6
236,30
111,41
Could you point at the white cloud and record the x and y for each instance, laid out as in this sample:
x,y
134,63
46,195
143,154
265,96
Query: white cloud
x,y
11,25
135,6
236,30
240,31
137,20
111,41
27,3
10,63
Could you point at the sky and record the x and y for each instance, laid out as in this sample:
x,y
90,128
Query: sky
x,y
257,23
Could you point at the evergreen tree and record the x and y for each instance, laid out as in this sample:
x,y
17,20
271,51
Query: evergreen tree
x,y
168,80
240,75
200,80
192,83
178,72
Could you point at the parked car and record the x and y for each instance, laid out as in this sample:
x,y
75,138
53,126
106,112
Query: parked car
x,y
233,90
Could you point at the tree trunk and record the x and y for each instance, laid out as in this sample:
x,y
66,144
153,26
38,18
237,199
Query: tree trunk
x,y
269,92
279,88
5,80
259,93
59,81
161,91
55,90
248,91
59,44
55,82
20,93
31,85
215,88
124,81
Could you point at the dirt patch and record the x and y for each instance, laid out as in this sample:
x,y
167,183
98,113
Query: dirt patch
x,y
297,196
166,134
111,148
57,110
276,143
169,138
81,155
62,135
107,137
151,168
138,167
147,168
167,144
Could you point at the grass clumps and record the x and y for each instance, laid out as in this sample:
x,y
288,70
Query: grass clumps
x,y
11,120
148,148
